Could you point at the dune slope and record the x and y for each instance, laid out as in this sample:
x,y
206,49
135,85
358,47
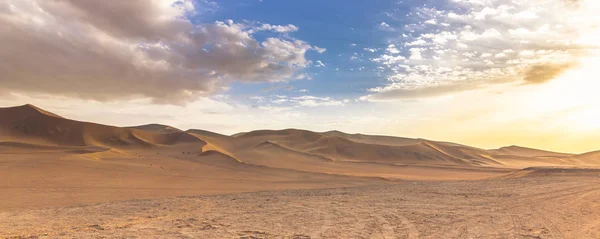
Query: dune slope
x,y
32,129
31,125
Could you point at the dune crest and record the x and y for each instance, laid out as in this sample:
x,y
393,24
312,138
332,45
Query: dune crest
x,y
30,124
31,129
98,163
157,128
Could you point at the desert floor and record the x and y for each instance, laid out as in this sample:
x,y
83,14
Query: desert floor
x,y
551,204
61,178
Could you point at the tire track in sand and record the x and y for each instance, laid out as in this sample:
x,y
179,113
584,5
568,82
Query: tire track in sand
x,y
516,221
385,229
411,230
555,232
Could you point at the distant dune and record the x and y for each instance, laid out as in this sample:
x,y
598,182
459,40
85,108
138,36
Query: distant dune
x,y
96,162
374,139
27,126
527,152
157,128
339,146
591,158
556,171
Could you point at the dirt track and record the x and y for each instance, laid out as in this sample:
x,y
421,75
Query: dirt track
x,y
530,207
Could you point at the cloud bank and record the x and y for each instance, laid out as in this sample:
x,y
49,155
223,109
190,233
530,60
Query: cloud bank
x,y
538,74
292,102
111,50
474,43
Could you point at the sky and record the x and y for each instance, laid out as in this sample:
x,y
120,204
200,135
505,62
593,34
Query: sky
x,y
487,73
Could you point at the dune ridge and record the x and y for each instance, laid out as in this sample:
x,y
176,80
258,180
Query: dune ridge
x,y
29,124
514,150
47,155
29,127
156,128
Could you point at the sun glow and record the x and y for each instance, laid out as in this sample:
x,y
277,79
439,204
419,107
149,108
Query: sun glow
x,y
573,98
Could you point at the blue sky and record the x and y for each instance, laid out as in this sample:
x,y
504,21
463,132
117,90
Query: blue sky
x,y
343,28
482,72
353,32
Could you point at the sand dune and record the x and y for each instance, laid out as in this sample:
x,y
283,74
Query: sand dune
x,y
157,128
30,124
527,152
32,127
554,171
50,161
39,148
586,159
273,147
363,148
374,139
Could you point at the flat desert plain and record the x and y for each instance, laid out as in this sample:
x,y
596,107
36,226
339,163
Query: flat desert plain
x,y
64,178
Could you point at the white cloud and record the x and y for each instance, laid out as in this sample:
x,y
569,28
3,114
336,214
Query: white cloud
x,y
292,102
390,60
419,42
385,27
431,21
391,48
416,53
257,98
484,42
491,33
277,28
119,50
462,45
320,64
313,101
526,15
280,101
319,49
303,76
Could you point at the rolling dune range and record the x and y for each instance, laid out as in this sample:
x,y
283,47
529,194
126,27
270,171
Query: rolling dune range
x,y
50,164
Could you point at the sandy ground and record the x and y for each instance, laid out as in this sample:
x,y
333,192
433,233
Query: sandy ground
x,y
551,206
31,181
62,178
